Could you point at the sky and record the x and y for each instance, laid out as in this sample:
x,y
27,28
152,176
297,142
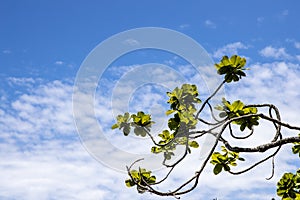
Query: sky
x,y
51,149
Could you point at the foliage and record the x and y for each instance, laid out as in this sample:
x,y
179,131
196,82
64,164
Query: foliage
x,y
140,121
232,68
182,131
224,160
236,110
296,148
182,102
288,186
169,143
141,179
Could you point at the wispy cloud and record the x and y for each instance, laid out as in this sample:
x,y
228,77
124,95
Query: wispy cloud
x,y
20,81
272,52
229,49
43,156
59,62
6,51
210,24
282,16
131,42
297,45
285,12
184,26
260,20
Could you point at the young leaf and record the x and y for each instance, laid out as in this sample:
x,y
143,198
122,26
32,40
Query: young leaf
x,y
217,169
168,112
193,144
129,183
114,126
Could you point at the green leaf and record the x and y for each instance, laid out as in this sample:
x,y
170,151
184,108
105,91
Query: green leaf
x,y
237,105
170,112
141,119
156,150
126,128
151,180
173,123
115,126
168,155
123,123
241,159
217,169
296,149
129,183
135,174
219,107
243,126
223,115
193,144
140,131
226,168
240,73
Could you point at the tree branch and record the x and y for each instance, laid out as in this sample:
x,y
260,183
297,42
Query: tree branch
x,y
264,147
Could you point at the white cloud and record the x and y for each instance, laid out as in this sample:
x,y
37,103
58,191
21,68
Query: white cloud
x,y
59,62
44,159
21,81
276,83
131,42
297,45
184,26
294,42
229,49
6,51
260,20
210,24
285,12
41,152
272,52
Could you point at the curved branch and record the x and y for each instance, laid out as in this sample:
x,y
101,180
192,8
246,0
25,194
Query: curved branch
x,y
211,96
240,137
256,164
264,147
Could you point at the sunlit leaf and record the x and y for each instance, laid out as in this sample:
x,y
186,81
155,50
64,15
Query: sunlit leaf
x,y
129,183
193,144
232,68
115,126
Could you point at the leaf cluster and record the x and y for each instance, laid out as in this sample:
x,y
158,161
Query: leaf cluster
x,y
238,109
181,125
232,68
223,161
182,103
168,144
288,186
141,179
141,123
183,99
296,148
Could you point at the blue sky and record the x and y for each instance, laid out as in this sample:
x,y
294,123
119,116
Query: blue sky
x,y
44,43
